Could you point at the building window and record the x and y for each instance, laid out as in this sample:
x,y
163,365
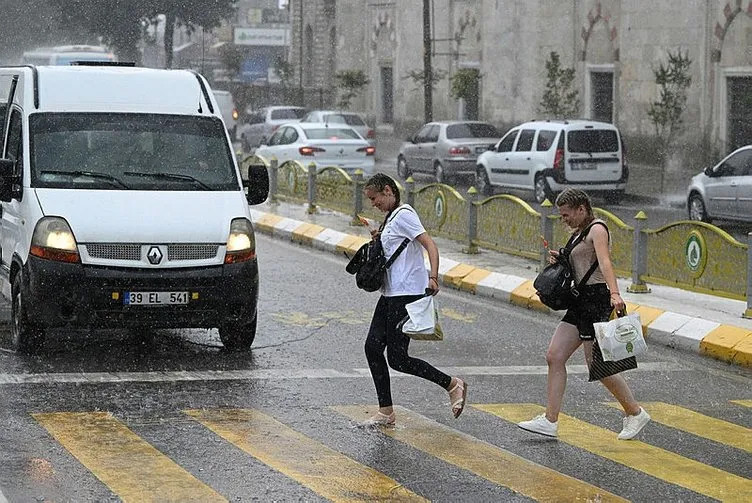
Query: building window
x,y
330,9
739,112
602,96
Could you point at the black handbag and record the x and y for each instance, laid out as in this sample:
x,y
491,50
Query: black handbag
x,y
555,283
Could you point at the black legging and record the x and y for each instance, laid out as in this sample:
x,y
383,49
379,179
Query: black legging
x,y
384,334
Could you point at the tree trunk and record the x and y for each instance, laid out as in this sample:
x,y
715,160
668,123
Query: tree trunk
x,y
169,32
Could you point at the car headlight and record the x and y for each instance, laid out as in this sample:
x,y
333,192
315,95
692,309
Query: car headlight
x,y
53,239
241,244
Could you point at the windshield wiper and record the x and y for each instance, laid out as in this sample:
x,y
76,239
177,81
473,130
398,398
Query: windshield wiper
x,y
170,176
91,174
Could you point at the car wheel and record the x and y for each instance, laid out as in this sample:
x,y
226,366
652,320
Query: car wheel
x,y
542,192
25,337
696,208
483,184
238,336
402,170
614,197
438,173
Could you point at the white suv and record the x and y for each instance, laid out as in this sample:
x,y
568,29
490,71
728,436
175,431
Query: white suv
x,y
549,156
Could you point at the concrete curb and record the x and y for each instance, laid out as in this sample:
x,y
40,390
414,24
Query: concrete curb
x,y
723,342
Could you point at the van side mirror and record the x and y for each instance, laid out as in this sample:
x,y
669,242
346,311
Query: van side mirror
x,y
258,184
6,179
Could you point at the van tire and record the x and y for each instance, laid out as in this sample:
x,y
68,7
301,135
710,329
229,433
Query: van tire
x,y
25,337
541,189
482,182
238,336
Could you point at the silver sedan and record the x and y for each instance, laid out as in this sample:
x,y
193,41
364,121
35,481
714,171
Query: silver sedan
x,y
723,191
445,149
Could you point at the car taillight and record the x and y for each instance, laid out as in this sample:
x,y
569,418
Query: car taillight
x,y
559,159
459,151
310,150
371,134
368,150
234,114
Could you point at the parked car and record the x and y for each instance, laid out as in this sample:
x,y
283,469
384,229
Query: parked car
x,y
445,149
723,191
227,110
259,125
322,144
548,156
352,119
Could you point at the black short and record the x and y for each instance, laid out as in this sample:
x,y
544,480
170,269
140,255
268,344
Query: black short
x,y
593,305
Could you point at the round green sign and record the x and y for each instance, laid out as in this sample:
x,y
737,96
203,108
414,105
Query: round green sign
x,y
696,253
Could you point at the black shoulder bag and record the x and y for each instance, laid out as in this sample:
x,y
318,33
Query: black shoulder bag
x,y
369,264
555,283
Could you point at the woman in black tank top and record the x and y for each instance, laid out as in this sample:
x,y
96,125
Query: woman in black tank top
x,y
595,303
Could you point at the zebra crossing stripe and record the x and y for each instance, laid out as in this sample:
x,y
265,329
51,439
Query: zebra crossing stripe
x,y
483,459
698,424
637,455
743,403
307,461
128,465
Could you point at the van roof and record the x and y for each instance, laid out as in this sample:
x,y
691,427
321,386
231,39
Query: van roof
x,y
120,89
564,123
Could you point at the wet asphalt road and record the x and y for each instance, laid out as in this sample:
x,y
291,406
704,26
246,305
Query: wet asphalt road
x,y
103,406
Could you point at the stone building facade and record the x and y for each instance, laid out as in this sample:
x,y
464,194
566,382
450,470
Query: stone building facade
x,y
613,45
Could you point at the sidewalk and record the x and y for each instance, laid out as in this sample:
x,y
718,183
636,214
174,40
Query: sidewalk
x,y
690,321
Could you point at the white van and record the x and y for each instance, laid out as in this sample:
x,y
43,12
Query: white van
x,y
122,205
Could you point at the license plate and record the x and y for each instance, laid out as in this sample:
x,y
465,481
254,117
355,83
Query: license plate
x,y
585,165
155,298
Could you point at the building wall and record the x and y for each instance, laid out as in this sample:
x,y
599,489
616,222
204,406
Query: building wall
x,y
510,41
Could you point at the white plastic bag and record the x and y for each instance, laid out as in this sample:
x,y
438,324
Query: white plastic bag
x,y
621,337
422,320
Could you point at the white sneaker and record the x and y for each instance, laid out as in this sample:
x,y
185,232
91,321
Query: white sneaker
x,y
541,425
633,425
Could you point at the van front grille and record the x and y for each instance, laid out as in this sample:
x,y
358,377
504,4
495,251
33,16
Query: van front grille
x,y
114,251
191,251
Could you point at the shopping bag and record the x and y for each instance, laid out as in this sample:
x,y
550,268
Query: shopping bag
x,y
620,338
422,320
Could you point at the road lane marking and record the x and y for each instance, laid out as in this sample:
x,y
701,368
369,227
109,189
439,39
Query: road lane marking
x,y
2,497
296,373
483,459
637,455
698,424
307,461
129,466
743,403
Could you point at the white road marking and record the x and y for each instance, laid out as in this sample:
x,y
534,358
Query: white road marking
x,y
277,373
2,498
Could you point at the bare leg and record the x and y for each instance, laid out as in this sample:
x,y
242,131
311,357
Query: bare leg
x,y
616,384
564,343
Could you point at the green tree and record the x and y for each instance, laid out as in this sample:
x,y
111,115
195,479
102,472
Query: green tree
x,y
232,59
673,80
560,99
464,83
350,82
285,70
418,77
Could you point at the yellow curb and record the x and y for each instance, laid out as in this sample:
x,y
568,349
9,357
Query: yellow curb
x,y
267,222
647,316
346,243
298,234
470,282
525,296
356,244
743,354
306,235
631,306
721,341
453,277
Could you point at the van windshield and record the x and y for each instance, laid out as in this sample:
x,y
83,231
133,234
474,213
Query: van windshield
x,y
592,141
130,151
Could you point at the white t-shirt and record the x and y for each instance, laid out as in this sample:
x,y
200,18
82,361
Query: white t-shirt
x,y
407,275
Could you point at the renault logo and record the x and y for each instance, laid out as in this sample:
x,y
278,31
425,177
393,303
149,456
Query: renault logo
x,y
154,255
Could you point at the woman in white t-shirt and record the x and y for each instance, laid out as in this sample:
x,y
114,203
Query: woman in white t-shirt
x,y
406,281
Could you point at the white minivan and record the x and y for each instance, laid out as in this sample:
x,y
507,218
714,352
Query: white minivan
x,y
122,205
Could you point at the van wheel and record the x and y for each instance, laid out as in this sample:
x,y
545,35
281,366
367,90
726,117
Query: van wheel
x,y
438,173
482,182
542,192
697,209
25,337
238,336
403,171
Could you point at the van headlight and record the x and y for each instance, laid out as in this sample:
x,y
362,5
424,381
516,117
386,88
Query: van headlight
x,y
241,243
53,239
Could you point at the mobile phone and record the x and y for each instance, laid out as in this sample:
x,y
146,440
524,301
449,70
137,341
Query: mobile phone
x,y
545,242
364,221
